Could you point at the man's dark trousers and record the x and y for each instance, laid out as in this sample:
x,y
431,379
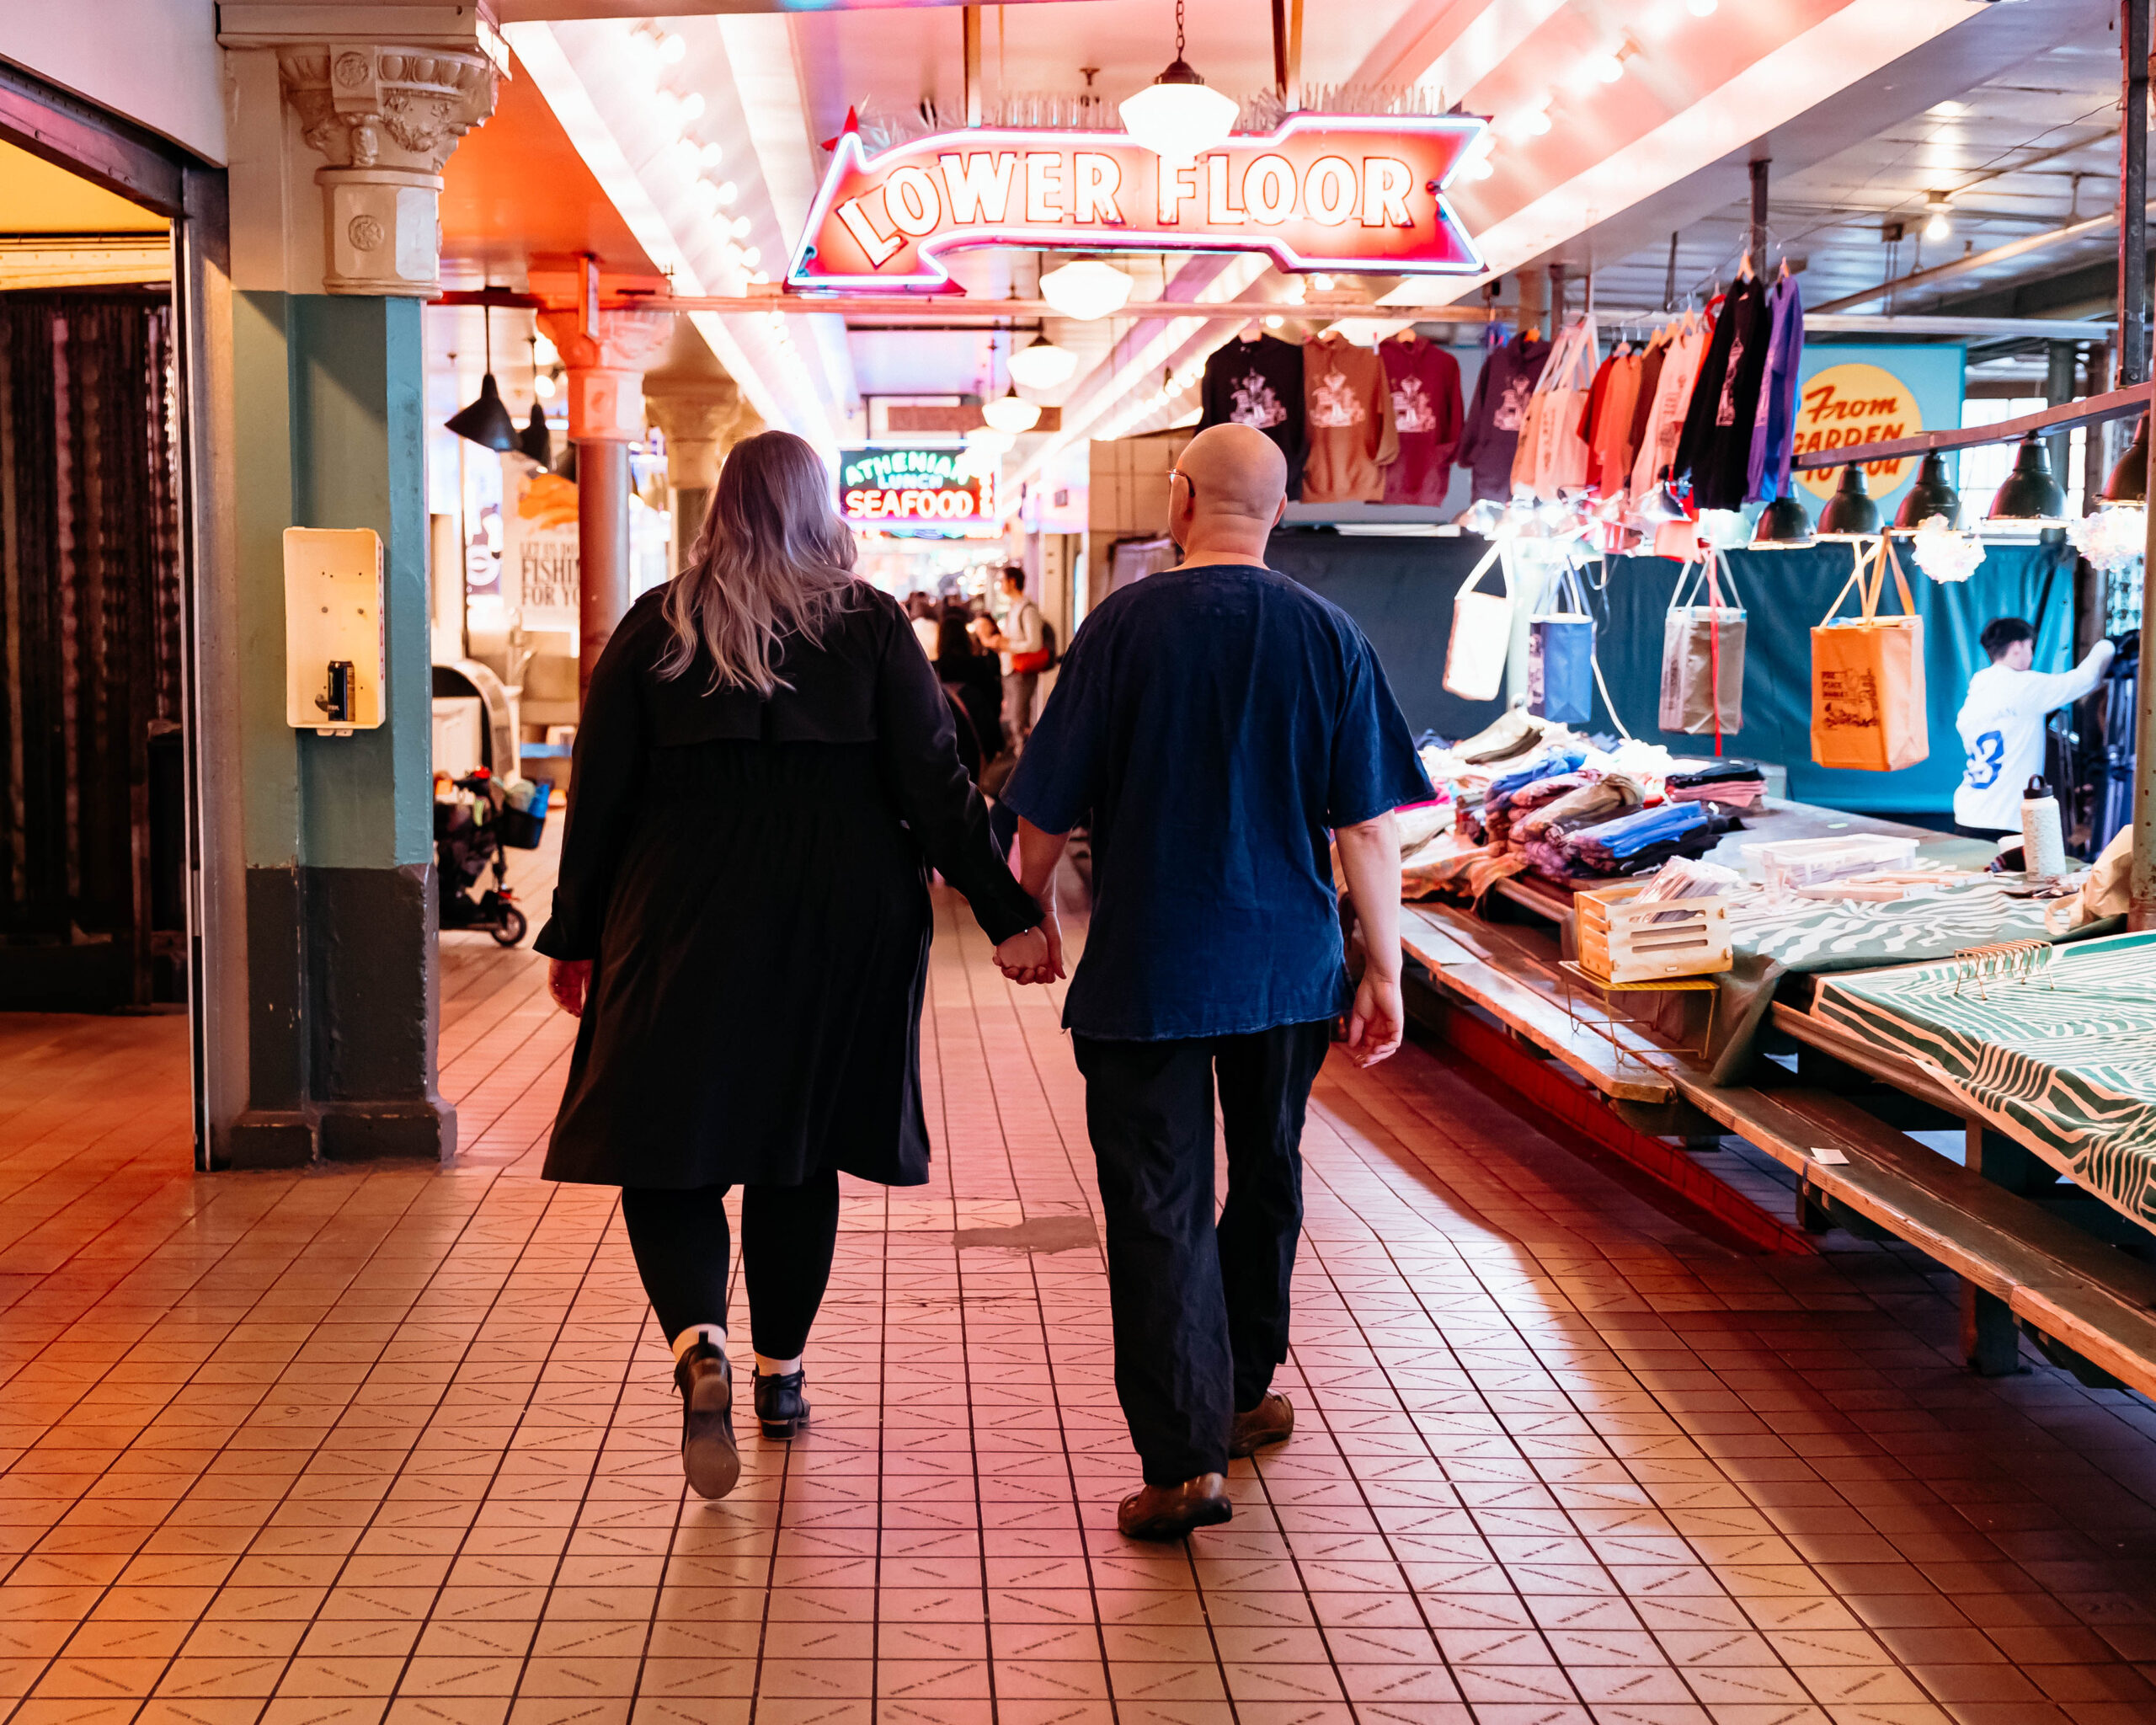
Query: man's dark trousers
x,y
1201,1312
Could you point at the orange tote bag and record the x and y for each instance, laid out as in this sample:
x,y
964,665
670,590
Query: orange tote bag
x,y
1868,707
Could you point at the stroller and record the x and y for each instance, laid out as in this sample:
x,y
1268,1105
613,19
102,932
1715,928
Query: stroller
x,y
476,829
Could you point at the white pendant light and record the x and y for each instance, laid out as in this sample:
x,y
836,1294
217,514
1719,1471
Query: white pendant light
x,y
1085,290
1011,413
988,443
1042,366
1177,116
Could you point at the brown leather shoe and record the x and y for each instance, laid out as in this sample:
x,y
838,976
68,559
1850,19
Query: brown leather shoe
x,y
1272,1421
1170,1512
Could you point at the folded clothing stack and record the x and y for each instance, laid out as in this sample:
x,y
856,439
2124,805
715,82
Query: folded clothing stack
x,y
1740,784
1603,797
1634,844
1507,739
1496,804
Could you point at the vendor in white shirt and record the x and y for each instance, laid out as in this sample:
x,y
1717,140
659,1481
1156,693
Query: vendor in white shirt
x,y
2001,724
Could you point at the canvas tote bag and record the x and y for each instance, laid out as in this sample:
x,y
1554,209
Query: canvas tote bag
x,y
1482,633
1565,453
1867,676
1560,657
1703,655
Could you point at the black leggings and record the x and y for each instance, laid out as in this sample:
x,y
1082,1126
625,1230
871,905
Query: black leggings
x,y
788,1236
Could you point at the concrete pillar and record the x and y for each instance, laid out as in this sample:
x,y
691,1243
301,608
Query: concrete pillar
x,y
604,354
701,419
337,150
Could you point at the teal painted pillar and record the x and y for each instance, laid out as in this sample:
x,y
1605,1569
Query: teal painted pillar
x,y
342,959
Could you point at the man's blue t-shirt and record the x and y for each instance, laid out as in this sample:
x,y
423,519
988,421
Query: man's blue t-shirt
x,y
1210,725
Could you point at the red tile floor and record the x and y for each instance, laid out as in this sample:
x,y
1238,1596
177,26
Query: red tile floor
x,y
328,1449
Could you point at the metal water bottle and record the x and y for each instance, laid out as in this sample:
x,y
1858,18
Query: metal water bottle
x,y
2043,846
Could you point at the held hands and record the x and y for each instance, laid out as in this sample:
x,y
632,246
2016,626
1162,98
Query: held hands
x,y
569,980
1035,956
1375,1023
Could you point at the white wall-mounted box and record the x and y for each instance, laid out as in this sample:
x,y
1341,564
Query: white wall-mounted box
x,y
336,654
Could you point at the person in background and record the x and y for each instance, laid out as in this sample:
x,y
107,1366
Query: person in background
x,y
1023,646
764,770
1224,727
972,678
2001,724
921,612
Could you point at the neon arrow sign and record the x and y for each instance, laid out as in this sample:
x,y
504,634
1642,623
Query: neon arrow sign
x,y
1339,192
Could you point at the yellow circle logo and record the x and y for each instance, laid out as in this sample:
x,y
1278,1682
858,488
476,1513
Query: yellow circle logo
x,y
1844,406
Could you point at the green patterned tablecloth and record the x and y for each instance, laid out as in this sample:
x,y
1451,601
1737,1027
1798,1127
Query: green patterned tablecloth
x,y
2063,1061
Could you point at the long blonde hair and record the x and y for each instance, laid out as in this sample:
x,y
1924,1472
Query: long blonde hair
x,y
773,560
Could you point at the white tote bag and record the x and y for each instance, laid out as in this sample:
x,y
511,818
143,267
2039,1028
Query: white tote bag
x,y
1481,634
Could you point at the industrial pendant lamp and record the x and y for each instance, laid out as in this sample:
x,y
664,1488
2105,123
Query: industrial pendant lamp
x,y
487,422
1783,524
1933,495
1176,115
2030,494
1042,366
1852,512
536,440
2129,480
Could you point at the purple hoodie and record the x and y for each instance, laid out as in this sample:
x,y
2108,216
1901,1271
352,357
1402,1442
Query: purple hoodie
x,y
1508,377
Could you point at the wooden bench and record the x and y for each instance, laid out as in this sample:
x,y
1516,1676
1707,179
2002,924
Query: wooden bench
x,y
2024,1266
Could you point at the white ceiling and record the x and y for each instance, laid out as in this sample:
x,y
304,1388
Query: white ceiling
x,y
1865,105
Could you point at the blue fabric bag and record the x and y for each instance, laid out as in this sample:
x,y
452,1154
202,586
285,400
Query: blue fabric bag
x,y
1561,659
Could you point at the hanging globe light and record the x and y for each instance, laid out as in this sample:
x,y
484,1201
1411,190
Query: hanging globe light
x,y
1085,290
1011,413
1042,366
1177,116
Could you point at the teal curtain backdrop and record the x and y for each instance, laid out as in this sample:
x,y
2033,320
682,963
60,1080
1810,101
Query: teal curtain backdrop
x,y
1400,592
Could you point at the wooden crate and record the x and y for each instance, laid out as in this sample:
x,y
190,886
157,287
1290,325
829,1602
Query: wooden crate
x,y
1623,941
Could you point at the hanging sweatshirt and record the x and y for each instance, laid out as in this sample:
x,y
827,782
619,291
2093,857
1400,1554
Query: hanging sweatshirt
x,y
1492,436
1426,416
1347,417
1258,381
1774,427
1610,462
1672,400
1716,447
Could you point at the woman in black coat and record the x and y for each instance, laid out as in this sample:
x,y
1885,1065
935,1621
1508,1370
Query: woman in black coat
x,y
764,773
974,677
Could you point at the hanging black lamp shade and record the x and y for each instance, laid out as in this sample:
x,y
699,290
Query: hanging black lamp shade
x,y
1852,512
535,440
1933,495
2030,493
2129,480
486,421
1783,524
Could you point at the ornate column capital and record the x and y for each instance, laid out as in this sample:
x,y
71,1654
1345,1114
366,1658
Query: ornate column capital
x,y
387,118
605,363
699,416
379,93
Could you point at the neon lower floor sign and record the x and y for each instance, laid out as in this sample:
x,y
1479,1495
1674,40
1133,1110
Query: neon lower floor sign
x,y
1323,191
893,487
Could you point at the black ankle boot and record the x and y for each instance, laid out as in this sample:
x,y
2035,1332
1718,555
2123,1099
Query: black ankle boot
x,y
780,1405
708,1456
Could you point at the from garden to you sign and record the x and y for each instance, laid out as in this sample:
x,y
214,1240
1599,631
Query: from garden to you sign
x,y
1849,395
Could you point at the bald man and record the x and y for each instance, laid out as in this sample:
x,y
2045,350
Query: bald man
x,y
1214,725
